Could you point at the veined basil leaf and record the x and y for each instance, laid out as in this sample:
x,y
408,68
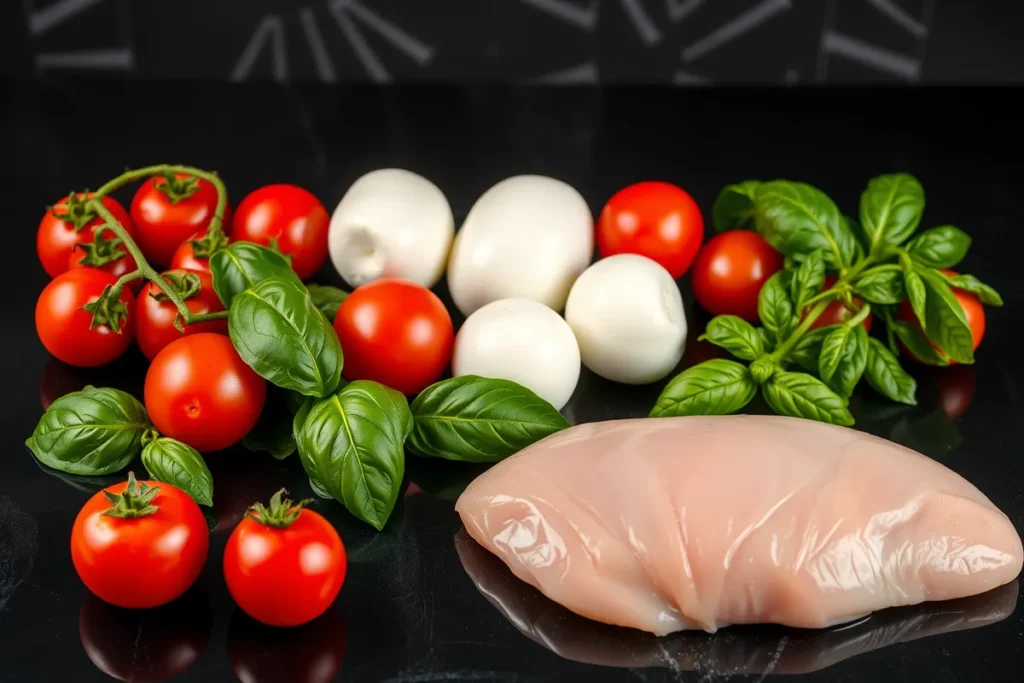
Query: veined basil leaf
x,y
327,298
300,417
240,265
833,350
714,387
92,431
352,447
890,209
863,241
281,335
762,369
808,279
969,283
180,465
735,335
798,394
319,490
774,307
851,364
916,293
945,321
767,343
797,219
884,374
881,286
942,247
913,338
734,207
478,419
807,349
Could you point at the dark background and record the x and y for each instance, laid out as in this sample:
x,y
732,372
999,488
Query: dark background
x,y
558,41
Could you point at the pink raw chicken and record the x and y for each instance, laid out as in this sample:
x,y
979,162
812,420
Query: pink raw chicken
x,y
681,523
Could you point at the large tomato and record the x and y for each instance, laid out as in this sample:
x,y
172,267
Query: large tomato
x,y
838,312
66,328
284,564
69,222
286,217
654,219
154,319
199,391
311,653
143,551
973,309
169,210
395,332
730,270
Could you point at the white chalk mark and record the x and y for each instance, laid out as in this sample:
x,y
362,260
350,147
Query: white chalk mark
x,y
412,47
828,22
642,22
872,55
579,74
900,16
41,21
581,17
686,78
680,9
270,31
120,58
322,60
734,28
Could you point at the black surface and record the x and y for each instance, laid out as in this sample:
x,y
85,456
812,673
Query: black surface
x,y
409,611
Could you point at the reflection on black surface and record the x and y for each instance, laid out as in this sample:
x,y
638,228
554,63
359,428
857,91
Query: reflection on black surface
x,y
58,378
311,653
147,644
241,478
89,484
955,388
735,650
441,478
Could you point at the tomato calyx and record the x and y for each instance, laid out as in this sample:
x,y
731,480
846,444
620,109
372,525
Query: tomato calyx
x,y
135,501
208,243
101,250
281,513
108,310
75,210
174,188
187,285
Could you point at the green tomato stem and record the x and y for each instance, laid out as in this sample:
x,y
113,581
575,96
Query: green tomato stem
x,y
863,313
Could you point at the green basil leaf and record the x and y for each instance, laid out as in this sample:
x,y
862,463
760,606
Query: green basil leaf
x,y
798,394
833,350
808,279
273,434
916,293
807,349
735,335
734,206
884,374
880,286
863,241
180,465
797,219
890,209
969,283
327,298
942,247
318,489
762,369
281,335
352,446
945,321
851,364
300,417
240,265
913,338
477,419
767,343
714,387
92,432
774,307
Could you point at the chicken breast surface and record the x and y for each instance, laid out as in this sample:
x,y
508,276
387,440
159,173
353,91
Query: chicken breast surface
x,y
700,522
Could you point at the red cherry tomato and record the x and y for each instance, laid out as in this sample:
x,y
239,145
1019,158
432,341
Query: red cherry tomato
x,y
154,320
80,258
199,391
65,327
838,312
973,309
311,653
395,332
141,561
654,219
290,218
730,271
166,214
284,564
185,256
56,238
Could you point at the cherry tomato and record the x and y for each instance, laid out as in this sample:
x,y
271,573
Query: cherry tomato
x,y
199,391
973,309
143,558
154,320
395,332
167,212
66,328
103,249
311,653
838,312
185,255
730,271
287,217
654,219
284,564
56,238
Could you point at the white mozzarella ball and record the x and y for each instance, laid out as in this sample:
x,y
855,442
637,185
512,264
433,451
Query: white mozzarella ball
x,y
522,341
391,223
627,315
528,237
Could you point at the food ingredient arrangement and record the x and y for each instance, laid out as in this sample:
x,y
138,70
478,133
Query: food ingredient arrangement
x,y
244,349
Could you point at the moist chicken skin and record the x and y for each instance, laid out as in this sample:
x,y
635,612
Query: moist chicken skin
x,y
682,523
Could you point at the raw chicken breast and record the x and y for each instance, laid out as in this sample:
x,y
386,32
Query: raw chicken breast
x,y
682,523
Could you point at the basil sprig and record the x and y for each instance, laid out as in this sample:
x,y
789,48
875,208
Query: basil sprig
x,y
327,298
241,265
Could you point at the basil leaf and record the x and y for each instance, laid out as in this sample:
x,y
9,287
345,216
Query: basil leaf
x,y
863,241
240,265
890,209
477,419
180,465
884,374
798,394
351,445
767,343
273,434
916,293
880,286
92,431
735,335
797,219
714,387
762,369
833,350
318,489
945,321
300,418
807,350
969,283
915,341
808,279
734,206
281,335
774,307
851,364
327,298
942,247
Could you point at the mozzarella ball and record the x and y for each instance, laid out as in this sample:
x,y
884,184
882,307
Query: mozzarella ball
x,y
522,341
627,315
528,237
391,223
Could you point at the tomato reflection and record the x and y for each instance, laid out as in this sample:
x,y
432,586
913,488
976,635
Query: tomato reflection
x,y
311,653
242,480
955,387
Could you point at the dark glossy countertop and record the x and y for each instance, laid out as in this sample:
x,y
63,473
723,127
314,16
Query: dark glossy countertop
x,y
420,602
